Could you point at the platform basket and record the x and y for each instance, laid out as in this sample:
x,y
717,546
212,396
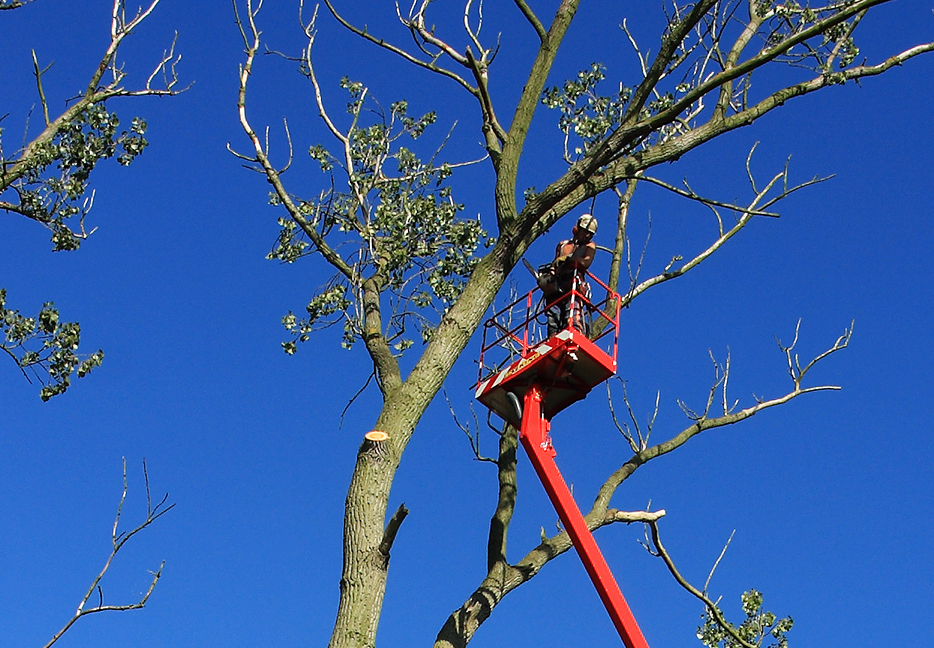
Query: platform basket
x,y
516,351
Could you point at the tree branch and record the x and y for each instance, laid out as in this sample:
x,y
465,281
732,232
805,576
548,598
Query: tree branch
x,y
29,158
585,178
505,501
392,528
507,170
38,74
153,514
533,20
712,608
747,213
670,43
272,174
428,65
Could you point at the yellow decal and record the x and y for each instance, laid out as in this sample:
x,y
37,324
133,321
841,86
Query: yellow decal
x,y
521,364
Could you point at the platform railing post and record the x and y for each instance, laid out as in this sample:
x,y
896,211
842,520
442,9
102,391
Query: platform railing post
x,y
537,443
618,301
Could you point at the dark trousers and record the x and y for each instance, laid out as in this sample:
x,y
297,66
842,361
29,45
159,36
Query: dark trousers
x,y
567,310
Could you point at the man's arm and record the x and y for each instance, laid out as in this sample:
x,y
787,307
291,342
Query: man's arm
x,y
583,256
560,254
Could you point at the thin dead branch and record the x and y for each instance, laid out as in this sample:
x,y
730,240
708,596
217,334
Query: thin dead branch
x,y
758,206
119,539
712,609
472,436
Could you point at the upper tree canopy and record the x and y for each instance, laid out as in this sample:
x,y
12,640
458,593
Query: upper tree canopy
x,y
716,67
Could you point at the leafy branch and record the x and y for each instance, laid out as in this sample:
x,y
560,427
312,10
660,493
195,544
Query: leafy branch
x,y
47,179
396,221
43,346
13,4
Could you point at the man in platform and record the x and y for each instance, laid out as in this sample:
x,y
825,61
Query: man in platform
x,y
568,273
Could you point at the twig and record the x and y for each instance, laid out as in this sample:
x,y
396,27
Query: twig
x,y
717,562
712,608
118,540
38,74
474,438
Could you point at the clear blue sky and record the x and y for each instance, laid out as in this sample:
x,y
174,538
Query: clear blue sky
x,y
830,497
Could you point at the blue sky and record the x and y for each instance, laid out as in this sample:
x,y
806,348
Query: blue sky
x,y
830,497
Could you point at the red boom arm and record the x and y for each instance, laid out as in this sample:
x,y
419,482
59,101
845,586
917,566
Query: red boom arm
x,y
537,443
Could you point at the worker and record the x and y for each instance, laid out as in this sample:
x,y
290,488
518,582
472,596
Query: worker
x,y
566,273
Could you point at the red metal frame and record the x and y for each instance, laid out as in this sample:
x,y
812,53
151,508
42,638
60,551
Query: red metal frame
x,y
547,376
537,443
518,339
567,365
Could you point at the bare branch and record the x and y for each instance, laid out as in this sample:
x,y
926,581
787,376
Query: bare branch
x,y
428,65
677,32
472,437
712,608
717,561
505,501
474,35
636,516
166,69
119,539
622,427
757,206
690,194
119,29
643,440
795,371
354,398
533,19
38,74
416,23
392,528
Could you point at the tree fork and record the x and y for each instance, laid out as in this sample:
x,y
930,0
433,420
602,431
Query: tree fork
x,y
364,575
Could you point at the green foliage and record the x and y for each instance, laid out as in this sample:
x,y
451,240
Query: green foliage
x,y
322,305
583,111
398,219
45,346
757,627
54,197
835,47
289,244
587,117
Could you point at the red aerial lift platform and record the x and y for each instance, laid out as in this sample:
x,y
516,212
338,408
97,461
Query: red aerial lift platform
x,y
567,366
539,378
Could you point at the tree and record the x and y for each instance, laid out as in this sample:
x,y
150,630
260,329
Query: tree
x,y
696,86
46,181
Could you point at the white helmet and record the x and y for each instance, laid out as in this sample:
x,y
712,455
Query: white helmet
x,y
587,222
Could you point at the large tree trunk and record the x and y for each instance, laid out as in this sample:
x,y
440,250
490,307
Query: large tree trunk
x,y
366,555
